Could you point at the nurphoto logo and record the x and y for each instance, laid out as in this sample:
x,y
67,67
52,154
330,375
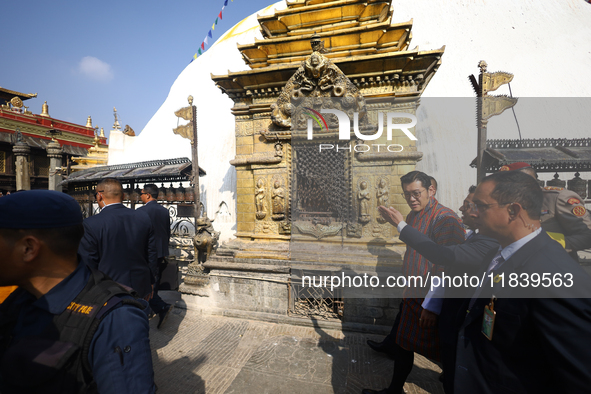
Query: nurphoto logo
x,y
344,123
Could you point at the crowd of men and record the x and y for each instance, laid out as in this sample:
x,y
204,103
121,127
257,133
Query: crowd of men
x,y
78,321
527,337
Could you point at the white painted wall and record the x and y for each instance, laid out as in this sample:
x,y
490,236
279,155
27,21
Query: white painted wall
x,y
545,43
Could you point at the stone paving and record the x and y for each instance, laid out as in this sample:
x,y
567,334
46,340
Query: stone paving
x,y
197,353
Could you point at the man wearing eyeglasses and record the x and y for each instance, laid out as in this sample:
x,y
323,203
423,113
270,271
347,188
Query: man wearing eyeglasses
x,y
410,332
161,223
445,301
525,328
120,241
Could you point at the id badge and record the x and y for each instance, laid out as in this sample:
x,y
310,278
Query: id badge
x,y
488,320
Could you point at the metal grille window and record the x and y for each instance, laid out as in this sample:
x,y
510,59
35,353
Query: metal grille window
x,y
322,188
2,162
41,166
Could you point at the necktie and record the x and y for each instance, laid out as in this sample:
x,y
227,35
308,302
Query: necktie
x,y
494,263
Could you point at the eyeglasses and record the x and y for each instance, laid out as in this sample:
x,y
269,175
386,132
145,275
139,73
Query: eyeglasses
x,y
97,192
415,194
468,206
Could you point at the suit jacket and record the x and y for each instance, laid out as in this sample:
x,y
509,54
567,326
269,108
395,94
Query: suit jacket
x,y
120,242
539,343
457,259
161,224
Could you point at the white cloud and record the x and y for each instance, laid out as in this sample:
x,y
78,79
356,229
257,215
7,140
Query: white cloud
x,y
95,69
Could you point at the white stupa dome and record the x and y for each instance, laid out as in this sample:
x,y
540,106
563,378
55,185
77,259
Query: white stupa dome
x,y
544,43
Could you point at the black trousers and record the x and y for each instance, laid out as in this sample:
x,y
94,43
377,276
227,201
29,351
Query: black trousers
x,y
156,303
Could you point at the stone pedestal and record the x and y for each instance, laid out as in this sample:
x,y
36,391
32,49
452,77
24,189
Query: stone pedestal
x,y
54,152
23,176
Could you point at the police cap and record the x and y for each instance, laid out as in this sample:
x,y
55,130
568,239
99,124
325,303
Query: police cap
x,y
39,209
515,166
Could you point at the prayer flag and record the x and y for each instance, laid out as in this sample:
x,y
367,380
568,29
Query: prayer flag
x,y
203,46
220,15
209,34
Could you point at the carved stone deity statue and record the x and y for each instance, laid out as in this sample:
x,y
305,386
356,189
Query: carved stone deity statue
x,y
260,194
205,239
363,197
383,195
278,196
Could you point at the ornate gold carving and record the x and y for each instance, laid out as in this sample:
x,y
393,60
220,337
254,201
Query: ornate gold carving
x,y
16,102
318,230
185,131
266,227
354,230
383,195
316,77
278,198
244,129
185,113
260,204
364,197
285,228
496,105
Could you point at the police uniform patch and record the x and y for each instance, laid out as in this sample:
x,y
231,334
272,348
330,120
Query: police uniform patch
x,y
504,168
579,211
573,201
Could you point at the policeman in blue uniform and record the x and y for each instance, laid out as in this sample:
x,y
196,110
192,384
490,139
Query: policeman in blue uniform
x,y
67,328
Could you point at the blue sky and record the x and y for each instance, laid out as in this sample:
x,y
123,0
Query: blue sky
x,y
84,58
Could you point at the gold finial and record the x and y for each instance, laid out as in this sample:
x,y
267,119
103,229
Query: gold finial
x,y
102,133
482,65
89,122
45,109
190,99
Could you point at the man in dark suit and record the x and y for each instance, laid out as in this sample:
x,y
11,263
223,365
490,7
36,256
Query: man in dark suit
x,y
457,259
120,241
161,223
533,305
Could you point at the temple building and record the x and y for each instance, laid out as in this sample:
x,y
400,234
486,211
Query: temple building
x,y
44,145
407,56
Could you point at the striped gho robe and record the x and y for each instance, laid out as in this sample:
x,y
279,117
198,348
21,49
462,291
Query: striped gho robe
x,y
443,226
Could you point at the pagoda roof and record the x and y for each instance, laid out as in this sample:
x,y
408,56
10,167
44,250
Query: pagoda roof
x,y
388,67
7,93
544,154
310,16
356,41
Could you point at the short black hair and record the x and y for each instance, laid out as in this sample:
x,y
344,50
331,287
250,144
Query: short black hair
x,y
114,187
414,176
471,189
517,186
62,241
151,189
